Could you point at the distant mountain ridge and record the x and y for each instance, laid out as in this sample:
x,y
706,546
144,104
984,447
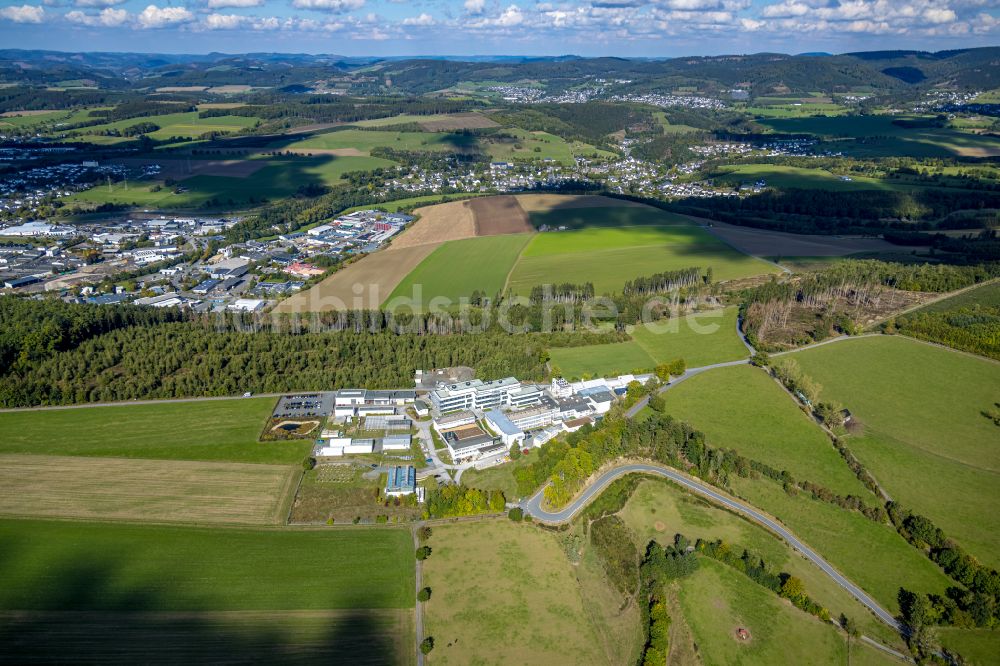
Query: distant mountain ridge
x,y
760,73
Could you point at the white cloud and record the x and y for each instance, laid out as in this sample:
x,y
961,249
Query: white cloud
x,y
939,15
222,4
424,19
23,13
475,6
98,3
108,17
224,21
335,6
161,17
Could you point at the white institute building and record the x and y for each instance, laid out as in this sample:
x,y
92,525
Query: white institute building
x,y
483,396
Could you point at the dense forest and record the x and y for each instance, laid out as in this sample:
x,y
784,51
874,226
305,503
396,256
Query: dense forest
x,y
57,353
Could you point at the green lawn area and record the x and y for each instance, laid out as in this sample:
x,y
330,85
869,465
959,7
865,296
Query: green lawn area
x,y
873,556
923,438
742,408
279,178
700,339
785,177
457,268
186,125
609,256
717,600
366,140
658,510
221,430
95,566
528,609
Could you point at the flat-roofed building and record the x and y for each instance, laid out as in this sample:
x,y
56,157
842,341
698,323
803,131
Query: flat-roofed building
x,y
509,433
533,417
402,480
476,394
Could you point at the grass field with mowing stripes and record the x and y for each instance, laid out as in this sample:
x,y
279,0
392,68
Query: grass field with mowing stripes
x,y
220,430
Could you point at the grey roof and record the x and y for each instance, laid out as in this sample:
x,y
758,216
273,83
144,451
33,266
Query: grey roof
x,y
502,423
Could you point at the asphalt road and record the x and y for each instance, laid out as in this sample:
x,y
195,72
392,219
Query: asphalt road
x,y
533,506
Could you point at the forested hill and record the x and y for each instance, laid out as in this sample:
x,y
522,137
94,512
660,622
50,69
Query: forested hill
x,y
885,70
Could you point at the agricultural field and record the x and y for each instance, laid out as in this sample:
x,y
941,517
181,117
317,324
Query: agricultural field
x,y
526,145
184,125
872,555
210,430
363,141
813,248
271,179
608,256
984,295
787,177
85,566
362,284
369,637
438,122
884,138
742,408
700,339
718,600
530,609
103,588
658,510
148,490
922,434
457,268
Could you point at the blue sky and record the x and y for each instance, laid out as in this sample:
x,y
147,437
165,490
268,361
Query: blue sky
x,y
464,27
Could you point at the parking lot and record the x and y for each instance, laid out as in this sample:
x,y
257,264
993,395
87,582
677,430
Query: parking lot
x,y
302,405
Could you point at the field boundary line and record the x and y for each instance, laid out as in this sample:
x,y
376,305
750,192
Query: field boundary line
x,y
530,237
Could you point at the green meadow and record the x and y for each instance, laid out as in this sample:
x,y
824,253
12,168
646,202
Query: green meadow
x,y
700,339
786,177
884,138
219,430
659,509
872,555
922,432
537,146
717,600
185,125
78,566
610,256
457,268
366,140
742,408
279,178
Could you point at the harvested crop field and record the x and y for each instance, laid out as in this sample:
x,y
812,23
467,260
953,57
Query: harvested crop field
x,y
762,243
144,490
448,221
499,215
361,285
458,121
534,203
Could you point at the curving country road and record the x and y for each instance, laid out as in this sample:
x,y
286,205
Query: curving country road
x,y
533,507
